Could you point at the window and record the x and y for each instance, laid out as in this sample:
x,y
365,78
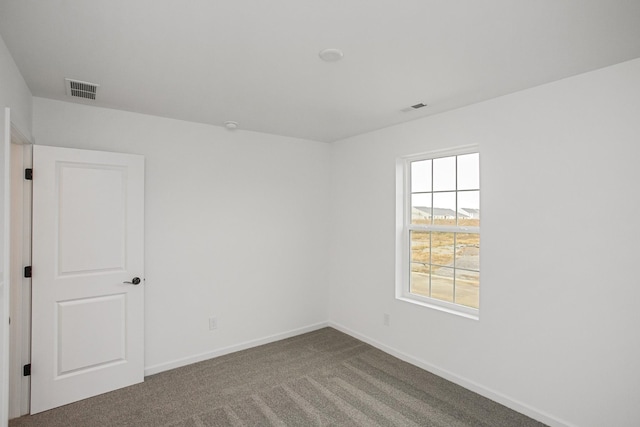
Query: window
x,y
438,230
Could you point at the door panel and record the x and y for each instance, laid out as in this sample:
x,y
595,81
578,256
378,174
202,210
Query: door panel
x,y
78,320
97,193
87,327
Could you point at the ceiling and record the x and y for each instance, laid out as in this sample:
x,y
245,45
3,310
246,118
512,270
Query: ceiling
x,y
256,62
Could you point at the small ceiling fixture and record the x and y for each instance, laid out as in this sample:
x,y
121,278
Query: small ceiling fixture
x,y
231,125
80,89
331,55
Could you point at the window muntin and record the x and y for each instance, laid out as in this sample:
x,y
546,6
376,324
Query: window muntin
x,y
441,231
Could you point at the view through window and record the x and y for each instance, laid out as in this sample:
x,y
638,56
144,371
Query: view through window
x,y
444,229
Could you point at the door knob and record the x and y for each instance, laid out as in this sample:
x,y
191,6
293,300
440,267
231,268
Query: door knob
x,y
134,281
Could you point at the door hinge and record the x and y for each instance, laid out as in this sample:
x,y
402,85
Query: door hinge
x,y
28,174
27,271
26,370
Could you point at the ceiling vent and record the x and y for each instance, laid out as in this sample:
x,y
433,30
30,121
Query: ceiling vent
x,y
414,107
80,89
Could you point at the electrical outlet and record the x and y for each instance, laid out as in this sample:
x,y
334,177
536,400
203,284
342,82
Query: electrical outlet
x,y
213,323
387,319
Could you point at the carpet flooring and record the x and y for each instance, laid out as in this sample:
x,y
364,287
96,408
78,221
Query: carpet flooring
x,y
322,378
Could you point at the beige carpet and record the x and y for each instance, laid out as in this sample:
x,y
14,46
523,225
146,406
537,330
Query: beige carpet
x,y
323,378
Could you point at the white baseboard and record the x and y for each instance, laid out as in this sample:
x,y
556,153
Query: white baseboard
x,y
516,405
155,369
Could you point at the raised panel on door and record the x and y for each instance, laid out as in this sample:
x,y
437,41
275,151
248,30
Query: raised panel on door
x,y
79,349
96,192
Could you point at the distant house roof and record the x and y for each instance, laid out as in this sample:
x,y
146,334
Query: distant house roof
x,y
440,211
471,210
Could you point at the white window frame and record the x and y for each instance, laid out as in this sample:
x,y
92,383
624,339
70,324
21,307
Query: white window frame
x,y
404,227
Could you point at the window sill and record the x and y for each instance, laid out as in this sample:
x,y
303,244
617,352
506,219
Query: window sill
x,y
445,308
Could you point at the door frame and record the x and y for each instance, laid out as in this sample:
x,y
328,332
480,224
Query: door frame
x,y
20,288
5,267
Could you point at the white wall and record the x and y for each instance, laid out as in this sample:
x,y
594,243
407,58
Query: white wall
x,y
14,92
558,329
236,226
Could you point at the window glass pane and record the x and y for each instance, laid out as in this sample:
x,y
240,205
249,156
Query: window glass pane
x,y
421,208
419,280
421,247
468,288
444,208
469,172
442,283
444,174
442,248
468,251
469,208
421,176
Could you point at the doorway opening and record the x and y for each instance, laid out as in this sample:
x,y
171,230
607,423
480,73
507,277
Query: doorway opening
x,y
20,287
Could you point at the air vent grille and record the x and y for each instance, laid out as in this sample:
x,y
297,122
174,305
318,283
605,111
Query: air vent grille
x,y
80,89
414,107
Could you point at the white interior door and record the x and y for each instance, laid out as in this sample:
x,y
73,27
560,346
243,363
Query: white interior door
x,y
87,322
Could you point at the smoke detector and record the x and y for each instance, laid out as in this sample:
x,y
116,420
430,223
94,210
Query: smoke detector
x,y
80,89
231,125
331,55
